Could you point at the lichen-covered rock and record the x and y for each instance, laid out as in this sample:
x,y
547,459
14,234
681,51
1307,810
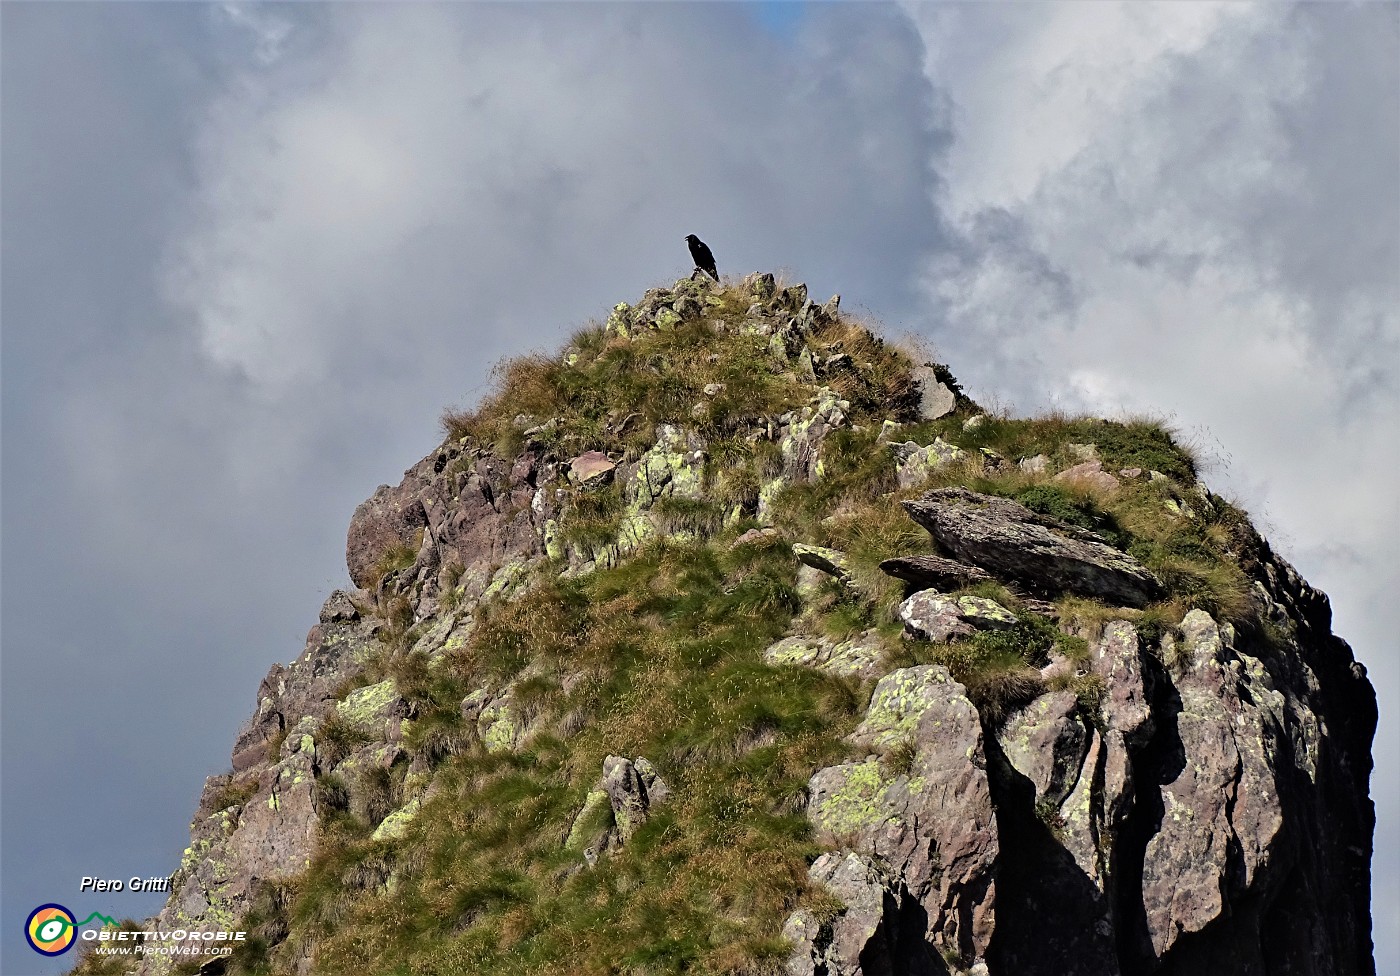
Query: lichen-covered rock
x,y
1009,540
857,657
932,616
1046,742
933,826
614,811
914,464
1118,661
829,561
335,653
368,710
1221,820
499,724
594,830
802,435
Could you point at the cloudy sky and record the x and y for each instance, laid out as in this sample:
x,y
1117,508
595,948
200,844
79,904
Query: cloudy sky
x,y
251,252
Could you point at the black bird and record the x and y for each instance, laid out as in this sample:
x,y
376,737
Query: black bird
x,y
702,257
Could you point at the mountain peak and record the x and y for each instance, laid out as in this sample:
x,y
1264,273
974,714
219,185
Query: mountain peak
x,y
734,638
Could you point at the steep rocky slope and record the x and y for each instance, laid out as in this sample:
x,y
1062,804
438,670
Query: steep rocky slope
x,y
731,640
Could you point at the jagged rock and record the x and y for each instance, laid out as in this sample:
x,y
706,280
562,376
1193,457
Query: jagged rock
x,y
1009,540
934,825
481,519
1118,661
614,811
936,399
391,516
803,435
626,793
1193,804
335,652
1046,742
1221,825
914,464
619,320
873,935
858,657
932,616
760,284
933,572
339,608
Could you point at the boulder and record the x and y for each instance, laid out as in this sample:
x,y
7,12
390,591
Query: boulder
x,y
858,657
936,399
1010,541
914,464
1088,473
932,616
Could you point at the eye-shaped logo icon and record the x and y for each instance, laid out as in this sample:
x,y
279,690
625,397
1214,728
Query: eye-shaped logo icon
x,y
50,930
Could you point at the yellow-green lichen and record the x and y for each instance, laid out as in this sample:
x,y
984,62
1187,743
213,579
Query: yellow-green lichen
x,y
364,706
860,802
395,825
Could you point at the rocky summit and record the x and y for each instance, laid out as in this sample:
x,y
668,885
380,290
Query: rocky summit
x,y
733,639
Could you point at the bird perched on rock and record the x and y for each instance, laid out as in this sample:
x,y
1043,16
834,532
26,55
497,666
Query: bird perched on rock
x,y
702,257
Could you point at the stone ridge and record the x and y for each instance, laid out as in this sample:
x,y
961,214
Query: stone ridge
x,y
1170,791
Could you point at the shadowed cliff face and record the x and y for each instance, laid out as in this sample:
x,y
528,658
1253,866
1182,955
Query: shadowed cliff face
x,y
732,639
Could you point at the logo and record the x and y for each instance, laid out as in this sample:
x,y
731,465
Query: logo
x,y
50,930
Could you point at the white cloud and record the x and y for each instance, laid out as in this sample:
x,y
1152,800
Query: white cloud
x,y
1195,208
457,161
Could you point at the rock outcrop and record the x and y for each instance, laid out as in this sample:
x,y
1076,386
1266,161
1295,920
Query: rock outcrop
x,y
1009,540
1164,773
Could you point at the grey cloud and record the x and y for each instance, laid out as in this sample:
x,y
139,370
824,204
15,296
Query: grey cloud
x,y
1218,186
245,269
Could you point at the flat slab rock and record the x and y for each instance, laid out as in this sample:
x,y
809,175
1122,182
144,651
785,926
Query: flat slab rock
x,y
1010,541
933,572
